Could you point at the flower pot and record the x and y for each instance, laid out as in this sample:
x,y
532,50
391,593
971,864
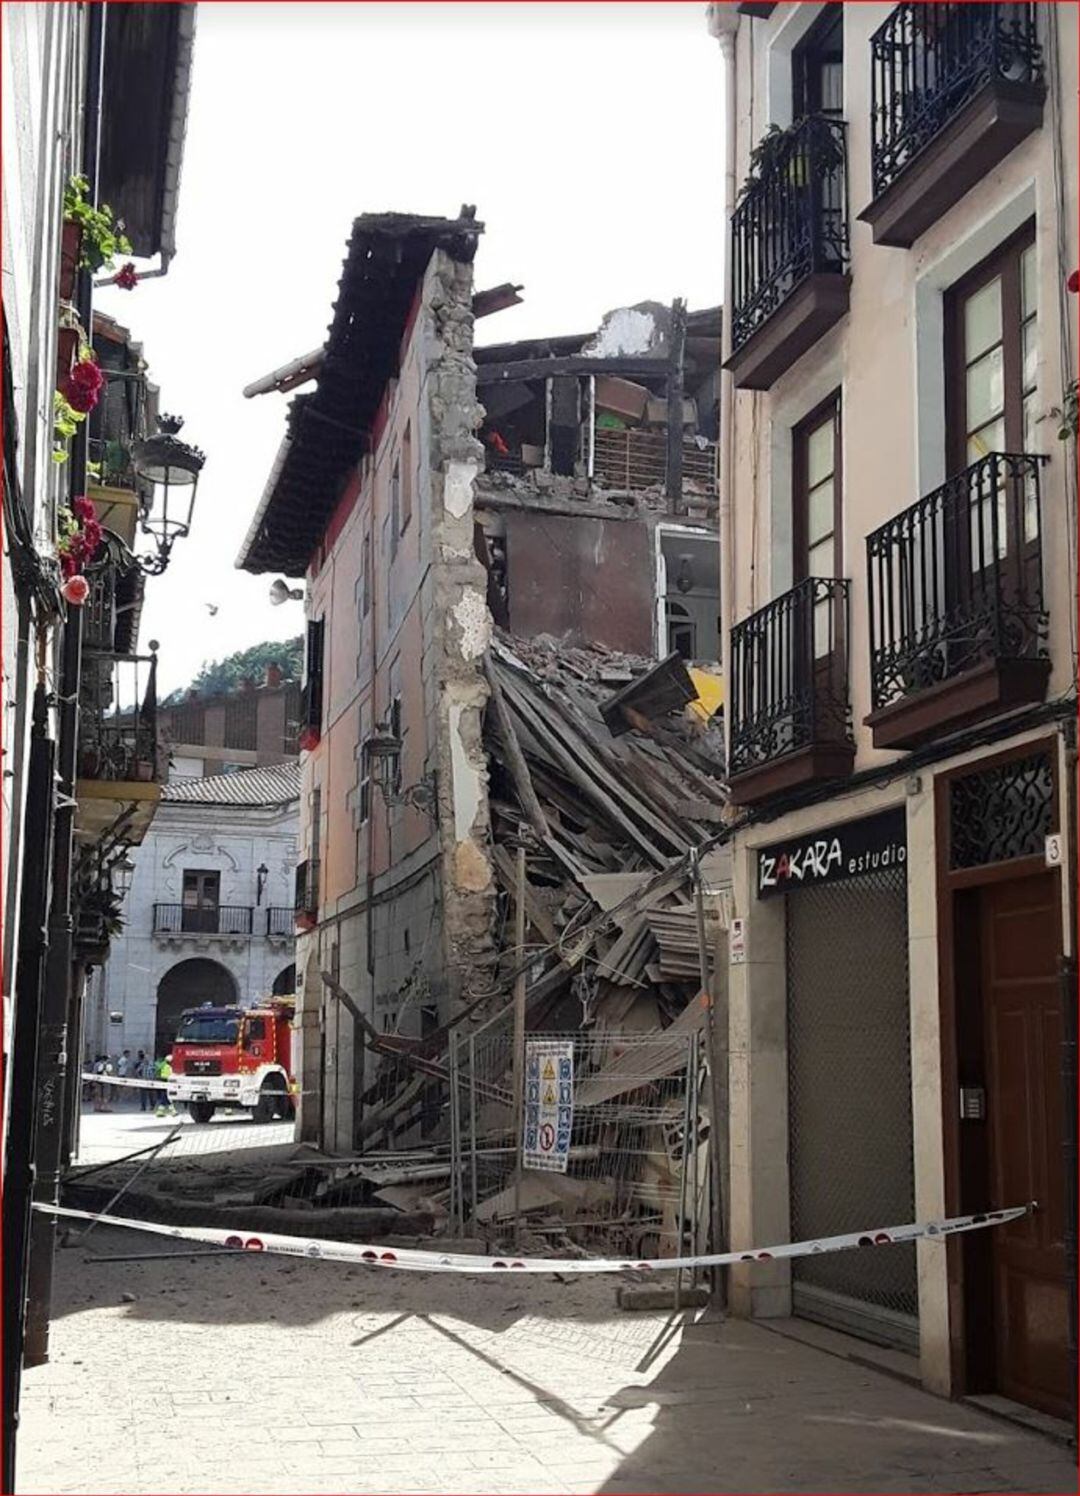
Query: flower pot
x,y
70,250
67,346
143,770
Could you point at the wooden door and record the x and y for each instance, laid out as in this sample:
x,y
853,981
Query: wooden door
x,y
1020,925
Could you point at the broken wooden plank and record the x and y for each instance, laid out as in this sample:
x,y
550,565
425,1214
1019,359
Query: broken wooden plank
x,y
515,759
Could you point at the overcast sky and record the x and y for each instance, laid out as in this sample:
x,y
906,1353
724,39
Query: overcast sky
x,y
588,136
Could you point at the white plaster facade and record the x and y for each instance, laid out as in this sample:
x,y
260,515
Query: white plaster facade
x,y
232,840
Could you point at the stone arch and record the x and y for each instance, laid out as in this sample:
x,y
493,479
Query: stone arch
x,y
189,984
285,981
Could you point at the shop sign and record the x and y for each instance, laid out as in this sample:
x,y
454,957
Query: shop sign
x,y
847,851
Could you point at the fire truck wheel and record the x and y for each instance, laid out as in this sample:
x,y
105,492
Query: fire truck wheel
x,y
201,1111
273,1100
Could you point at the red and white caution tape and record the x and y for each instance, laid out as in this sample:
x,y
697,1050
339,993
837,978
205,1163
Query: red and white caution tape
x,y
123,1080
414,1259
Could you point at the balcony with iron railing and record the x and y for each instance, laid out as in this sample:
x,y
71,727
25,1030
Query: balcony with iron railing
x,y
790,712
307,890
789,250
208,919
955,87
280,923
121,762
958,630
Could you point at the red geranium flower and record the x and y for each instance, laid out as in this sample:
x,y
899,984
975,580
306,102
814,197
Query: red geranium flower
x,y
126,277
1073,283
75,590
83,509
82,387
68,565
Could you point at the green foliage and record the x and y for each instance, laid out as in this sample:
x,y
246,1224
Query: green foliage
x,y
1067,414
102,238
810,144
65,423
219,676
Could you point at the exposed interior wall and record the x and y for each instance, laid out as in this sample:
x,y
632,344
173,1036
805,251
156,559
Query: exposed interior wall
x,y
581,580
459,629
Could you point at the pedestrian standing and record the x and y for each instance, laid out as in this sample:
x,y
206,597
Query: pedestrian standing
x,y
144,1071
124,1067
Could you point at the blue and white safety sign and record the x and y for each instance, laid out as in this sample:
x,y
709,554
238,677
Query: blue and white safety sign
x,y
549,1104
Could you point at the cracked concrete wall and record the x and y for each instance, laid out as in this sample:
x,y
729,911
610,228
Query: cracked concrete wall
x,y
460,627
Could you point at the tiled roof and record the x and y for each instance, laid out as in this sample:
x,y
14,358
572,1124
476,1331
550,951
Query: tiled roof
x,y
274,785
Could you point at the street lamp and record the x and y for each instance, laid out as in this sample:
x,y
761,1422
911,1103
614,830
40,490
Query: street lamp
x,y
173,467
262,872
121,873
383,753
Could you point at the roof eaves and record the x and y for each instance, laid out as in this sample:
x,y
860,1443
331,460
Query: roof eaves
x,y
387,255
178,117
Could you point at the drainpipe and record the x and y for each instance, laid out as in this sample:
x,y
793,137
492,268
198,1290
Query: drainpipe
x,y
723,25
56,1040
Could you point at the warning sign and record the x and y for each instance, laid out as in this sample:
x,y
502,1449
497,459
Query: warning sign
x,y
549,1104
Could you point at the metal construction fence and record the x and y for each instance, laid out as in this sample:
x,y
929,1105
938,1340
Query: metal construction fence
x,y
635,1181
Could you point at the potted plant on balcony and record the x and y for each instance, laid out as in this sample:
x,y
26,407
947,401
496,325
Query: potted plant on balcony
x,y
79,537
91,237
810,145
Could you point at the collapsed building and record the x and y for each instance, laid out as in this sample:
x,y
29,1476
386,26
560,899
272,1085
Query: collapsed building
x,y
511,697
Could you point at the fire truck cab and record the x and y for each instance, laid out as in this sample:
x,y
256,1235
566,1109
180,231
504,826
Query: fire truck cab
x,y
237,1058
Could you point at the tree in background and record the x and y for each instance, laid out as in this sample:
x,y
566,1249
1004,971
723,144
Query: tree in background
x,y
219,676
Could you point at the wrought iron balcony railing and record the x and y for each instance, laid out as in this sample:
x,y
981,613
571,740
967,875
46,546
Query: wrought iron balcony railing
x,y
789,676
792,222
118,726
307,887
280,921
222,919
929,60
956,580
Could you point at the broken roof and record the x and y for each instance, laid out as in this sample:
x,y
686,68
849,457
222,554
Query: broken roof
x,y
609,800
328,430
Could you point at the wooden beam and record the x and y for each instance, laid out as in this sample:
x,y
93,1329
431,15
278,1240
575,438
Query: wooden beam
x,y
515,759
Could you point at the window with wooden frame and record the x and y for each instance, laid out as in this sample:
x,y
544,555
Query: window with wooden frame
x,y
395,506
991,382
365,577
311,711
406,477
817,514
991,355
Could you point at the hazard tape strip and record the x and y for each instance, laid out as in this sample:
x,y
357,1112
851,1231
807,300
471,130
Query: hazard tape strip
x,y
124,1080
421,1260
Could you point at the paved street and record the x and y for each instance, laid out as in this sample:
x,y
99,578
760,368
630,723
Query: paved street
x,y
110,1135
249,1374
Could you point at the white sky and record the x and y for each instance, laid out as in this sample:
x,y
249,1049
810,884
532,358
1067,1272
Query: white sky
x,y
588,136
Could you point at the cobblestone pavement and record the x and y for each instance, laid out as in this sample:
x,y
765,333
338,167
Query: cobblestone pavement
x,y
249,1374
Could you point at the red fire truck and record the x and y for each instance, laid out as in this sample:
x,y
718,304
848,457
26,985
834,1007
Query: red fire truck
x,y
235,1057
